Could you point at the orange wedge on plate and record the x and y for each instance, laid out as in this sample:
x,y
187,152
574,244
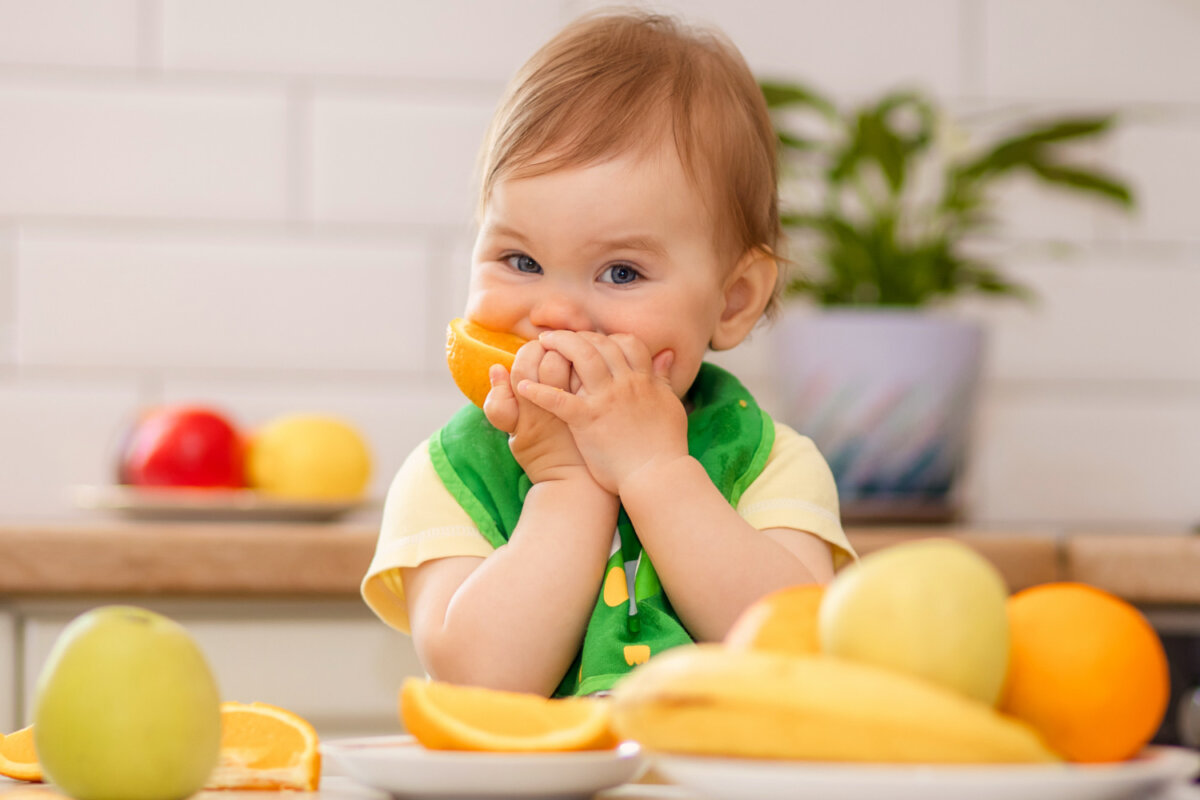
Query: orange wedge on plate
x,y
18,759
265,747
471,349
444,716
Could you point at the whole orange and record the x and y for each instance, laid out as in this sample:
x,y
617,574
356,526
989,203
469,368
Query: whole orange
x,y
1086,670
784,621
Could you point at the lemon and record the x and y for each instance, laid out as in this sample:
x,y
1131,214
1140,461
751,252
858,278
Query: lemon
x,y
309,457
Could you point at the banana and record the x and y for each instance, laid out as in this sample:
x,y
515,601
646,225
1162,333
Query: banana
x,y
708,700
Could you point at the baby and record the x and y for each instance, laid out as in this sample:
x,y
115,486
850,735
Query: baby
x,y
616,496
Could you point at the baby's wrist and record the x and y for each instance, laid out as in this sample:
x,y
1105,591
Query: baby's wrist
x,y
578,487
576,474
659,477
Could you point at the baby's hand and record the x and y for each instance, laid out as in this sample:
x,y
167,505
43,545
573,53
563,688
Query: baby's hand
x,y
540,442
624,414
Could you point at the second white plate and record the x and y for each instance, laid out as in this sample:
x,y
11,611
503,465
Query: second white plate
x,y
401,767
748,779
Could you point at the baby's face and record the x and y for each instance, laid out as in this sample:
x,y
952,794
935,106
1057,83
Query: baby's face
x,y
624,246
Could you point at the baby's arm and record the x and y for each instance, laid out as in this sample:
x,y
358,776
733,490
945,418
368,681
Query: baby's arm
x,y
713,563
515,619
632,431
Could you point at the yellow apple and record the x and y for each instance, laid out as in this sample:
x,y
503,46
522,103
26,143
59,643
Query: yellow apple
x,y
309,457
933,608
126,708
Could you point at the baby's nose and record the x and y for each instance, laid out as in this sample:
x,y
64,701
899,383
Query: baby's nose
x,y
560,310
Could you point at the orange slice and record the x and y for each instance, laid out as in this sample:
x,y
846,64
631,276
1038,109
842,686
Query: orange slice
x,y
471,349
18,759
265,747
443,716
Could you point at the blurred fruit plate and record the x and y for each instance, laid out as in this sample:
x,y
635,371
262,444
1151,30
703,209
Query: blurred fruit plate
x,y
1150,775
246,505
402,768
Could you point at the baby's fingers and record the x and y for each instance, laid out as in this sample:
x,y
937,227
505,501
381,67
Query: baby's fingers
x,y
558,402
527,362
634,351
500,407
555,370
662,363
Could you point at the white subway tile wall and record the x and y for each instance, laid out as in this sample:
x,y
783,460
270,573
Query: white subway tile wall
x,y
266,205
8,294
1104,50
378,159
102,33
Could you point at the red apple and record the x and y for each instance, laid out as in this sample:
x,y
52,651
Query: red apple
x,y
183,446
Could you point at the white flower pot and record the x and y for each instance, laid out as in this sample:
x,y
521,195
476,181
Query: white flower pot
x,y
888,397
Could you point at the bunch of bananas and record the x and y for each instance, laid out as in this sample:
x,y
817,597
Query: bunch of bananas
x,y
904,665
712,700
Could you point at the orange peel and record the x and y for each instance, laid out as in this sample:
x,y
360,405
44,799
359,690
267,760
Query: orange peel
x,y
471,350
1087,670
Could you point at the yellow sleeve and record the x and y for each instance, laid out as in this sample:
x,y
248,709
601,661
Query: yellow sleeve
x,y
421,522
796,490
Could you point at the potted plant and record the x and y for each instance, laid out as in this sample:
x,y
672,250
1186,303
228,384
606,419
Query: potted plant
x,y
883,217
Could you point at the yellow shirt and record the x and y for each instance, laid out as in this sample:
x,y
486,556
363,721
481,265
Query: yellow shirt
x,y
422,521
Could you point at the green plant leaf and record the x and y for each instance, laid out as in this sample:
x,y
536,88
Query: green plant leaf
x,y
780,95
1032,144
983,278
881,145
794,142
1061,130
869,241
1086,181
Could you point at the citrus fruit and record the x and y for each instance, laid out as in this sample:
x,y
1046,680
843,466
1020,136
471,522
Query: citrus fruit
x,y
1086,670
309,457
18,758
265,747
784,621
444,716
471,349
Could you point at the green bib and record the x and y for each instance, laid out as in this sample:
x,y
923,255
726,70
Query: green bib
x,y
633,619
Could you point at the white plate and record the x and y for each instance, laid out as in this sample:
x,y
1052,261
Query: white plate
x,y
401,767
209,504
746,779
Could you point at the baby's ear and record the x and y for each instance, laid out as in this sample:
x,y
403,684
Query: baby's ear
x,y
747,290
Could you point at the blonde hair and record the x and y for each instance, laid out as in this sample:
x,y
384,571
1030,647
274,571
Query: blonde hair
x,y
614,82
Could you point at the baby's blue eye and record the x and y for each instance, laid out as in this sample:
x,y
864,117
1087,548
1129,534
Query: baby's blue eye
x,y
523,263
620,274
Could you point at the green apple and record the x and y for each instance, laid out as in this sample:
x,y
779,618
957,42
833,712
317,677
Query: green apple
x,y
932,608
126,708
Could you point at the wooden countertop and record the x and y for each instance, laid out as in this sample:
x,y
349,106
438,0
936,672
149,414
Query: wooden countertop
x,y
119,557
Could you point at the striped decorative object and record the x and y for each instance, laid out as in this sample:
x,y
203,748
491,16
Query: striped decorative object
x,y
888,398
